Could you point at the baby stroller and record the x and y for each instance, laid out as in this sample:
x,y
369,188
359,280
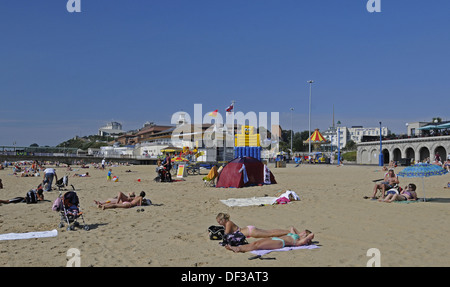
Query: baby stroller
x,y
163,175
68,207
63,182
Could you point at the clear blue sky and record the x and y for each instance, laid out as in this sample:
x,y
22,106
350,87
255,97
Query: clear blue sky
x,y
64,74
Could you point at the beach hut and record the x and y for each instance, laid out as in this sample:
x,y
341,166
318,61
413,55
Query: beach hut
x,y
245,171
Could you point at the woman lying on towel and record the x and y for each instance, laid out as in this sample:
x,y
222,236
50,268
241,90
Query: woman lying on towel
x,y
136,201
409,193
121,197
248,231
293,238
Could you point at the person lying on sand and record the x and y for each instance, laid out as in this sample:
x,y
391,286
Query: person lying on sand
x,y
248,231
409,193
294,238
121,197
137,201
82,175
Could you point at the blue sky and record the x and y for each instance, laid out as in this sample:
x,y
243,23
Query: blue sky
x,y
64,74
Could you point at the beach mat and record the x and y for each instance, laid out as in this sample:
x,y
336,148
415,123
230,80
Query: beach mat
x,y
263,252
29,235
248,201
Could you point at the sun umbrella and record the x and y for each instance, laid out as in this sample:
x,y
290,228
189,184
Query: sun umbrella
x,y
422,170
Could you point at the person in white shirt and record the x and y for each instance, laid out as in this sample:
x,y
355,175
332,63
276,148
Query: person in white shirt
x,y
49,174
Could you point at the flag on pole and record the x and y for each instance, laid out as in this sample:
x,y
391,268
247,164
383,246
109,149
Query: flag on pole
x,y
213,114
230,108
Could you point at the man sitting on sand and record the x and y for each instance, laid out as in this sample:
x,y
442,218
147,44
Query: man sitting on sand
x,y
390,180
136,201
294,238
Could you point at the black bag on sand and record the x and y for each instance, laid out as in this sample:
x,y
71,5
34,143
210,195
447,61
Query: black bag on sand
x,y
31,197
216,232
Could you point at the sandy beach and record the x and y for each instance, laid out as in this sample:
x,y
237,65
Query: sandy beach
x,y
173,232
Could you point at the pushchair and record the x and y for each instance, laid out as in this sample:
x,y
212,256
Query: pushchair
x,y
69,210
163,175
63,182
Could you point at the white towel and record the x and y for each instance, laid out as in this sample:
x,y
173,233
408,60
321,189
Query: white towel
x,y
262,252
248,201
29,235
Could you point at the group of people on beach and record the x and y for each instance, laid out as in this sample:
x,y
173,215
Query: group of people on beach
x,y
271,239
391,191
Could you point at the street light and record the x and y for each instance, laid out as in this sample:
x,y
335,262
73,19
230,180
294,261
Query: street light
x,y
339,142
310,88
292,128
380,158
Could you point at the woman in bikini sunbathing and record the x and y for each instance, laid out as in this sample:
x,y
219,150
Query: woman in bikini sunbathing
x,y
248,231
293,238
121,197
409,193
136,201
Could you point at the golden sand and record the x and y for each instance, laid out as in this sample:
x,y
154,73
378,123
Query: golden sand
x,y
173,232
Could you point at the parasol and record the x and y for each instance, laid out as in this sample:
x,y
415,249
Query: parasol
x,y
422,170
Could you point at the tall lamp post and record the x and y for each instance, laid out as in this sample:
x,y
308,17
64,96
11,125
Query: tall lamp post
x,y
292,127
310,89
380,158
339,142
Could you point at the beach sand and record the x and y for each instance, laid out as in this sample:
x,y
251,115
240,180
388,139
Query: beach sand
x,y
173,232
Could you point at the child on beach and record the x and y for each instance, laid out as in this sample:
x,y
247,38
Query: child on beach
x,y
108,177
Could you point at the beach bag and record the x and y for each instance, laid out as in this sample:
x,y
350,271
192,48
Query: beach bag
x,y
234,239
31,197
216,232
57,204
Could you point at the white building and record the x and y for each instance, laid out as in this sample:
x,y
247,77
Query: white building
x,y
354,133
413,128
111,129
357,132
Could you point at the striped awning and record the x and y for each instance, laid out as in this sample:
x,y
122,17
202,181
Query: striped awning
x,y
316,137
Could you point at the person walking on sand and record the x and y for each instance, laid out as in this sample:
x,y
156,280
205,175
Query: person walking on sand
x,y
294,238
